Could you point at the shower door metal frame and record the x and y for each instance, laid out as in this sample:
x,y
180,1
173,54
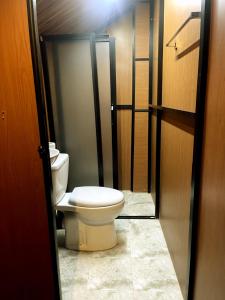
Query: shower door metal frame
x,y
93,38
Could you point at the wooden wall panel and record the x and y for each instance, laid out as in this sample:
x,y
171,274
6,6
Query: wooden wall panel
x,y
153,157
180,74
210,269
124,148
141,84
175,194
142,19
141,152
26,258
122,31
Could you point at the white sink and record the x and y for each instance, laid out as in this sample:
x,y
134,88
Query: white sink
x,y
53,154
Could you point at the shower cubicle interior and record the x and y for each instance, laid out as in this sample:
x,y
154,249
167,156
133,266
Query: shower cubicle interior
x,y
98,91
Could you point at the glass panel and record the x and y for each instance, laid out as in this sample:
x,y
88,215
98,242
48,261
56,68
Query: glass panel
x,y
73,107
103,68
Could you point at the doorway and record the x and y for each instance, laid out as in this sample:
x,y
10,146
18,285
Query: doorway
x,y
87,121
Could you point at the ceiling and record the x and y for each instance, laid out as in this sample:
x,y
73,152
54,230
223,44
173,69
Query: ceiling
x,y
78,16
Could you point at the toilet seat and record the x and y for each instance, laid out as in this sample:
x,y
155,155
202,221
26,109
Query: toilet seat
x,y
95,196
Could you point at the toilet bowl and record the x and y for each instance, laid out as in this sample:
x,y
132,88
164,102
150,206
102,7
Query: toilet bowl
x,y
89,211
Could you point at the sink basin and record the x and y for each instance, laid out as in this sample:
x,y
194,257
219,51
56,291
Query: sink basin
x,y
53,154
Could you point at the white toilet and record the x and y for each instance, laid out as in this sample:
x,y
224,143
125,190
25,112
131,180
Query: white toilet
x,y
89,210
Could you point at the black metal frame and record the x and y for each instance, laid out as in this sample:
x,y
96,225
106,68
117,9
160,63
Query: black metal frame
x,y
158,112
132,106
113,112
198,142
43,149
142,59
93,38
123,107
133,103
134,60
150,90
137,217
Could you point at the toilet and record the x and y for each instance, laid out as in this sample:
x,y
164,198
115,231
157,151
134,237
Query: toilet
x,y
89,211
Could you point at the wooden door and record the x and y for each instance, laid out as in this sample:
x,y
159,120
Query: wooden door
x,y
27,263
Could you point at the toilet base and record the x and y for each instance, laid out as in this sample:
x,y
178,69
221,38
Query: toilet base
x,y
80,236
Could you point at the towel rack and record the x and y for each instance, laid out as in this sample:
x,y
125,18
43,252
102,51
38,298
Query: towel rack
x,y
193,15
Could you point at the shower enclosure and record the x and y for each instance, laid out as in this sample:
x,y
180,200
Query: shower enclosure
x,y
80,94
85,114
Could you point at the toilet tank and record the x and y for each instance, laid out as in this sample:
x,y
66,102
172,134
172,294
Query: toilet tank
x,y
60,170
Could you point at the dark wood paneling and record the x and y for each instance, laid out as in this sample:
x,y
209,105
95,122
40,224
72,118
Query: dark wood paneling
x,y
175,195
78,16
210,268
26,263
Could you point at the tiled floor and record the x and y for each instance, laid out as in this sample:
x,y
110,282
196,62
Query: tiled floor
x,y
138,204
138,268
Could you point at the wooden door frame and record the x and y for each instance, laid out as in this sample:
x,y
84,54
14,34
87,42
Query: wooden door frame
x,y
43,148
200,105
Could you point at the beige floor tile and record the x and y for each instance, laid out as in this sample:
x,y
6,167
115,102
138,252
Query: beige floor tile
x,y
110,273
139,267
146,239
153,273
84,294
138,204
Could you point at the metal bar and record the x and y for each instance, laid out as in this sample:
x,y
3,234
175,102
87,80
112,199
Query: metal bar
x,y
133,103
150,88
198,142
97,109
142,110
142,59
193,15
122,106
159,103
137,217
113,112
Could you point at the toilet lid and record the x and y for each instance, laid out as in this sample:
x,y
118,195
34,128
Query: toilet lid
x,y
95,196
